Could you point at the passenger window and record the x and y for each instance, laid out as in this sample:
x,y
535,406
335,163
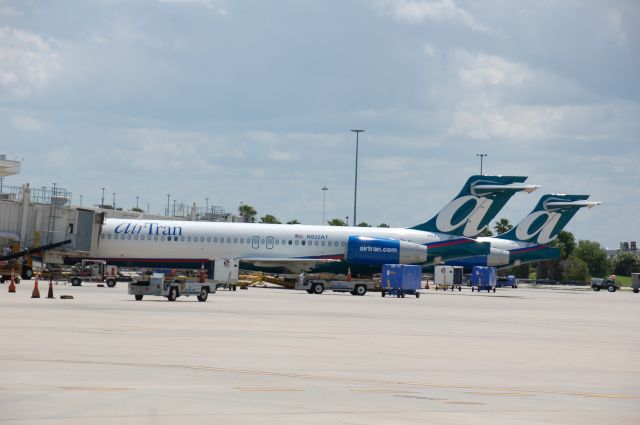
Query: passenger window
x,y
241,240
181,238
129,237
135,237
215,239
108,236
208,239
201,238
317,243
342,244
235,240
303,242
277,241
323,243
148,237
228,240
155,238
297,242
221,240
290,242
162,238
188,238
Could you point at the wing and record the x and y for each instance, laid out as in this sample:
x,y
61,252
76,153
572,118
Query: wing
x,y
294,265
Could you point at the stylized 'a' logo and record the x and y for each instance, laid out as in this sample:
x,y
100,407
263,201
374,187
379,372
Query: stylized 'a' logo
x,y
467,211
539,226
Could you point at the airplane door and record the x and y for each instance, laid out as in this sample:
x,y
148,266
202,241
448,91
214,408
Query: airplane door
x,y
255,242
270,242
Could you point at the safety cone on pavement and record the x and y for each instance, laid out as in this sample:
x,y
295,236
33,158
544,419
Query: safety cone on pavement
x,y
12,286
349,275
50,294
36,290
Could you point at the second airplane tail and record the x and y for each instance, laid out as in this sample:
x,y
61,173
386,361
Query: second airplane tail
x,y
548,218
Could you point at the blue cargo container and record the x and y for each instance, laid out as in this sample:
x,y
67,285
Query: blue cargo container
x,y
509,281
483,279
401,279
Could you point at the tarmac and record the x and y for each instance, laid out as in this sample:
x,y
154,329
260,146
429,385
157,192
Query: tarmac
x,y
275,356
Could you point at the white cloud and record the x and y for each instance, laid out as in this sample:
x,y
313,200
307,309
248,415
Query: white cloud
x,y
282,156
416,11
215,5
488,70
27,62
26,123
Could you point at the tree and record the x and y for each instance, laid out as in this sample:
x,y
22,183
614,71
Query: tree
x,y
248,213
385,225
485,232
626,263
336,222
269,219
595,256
566,242
363,224
502,226
136,209
573,268
293,221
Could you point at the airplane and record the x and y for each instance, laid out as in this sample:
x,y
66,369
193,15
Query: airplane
x,y
282,248
527,241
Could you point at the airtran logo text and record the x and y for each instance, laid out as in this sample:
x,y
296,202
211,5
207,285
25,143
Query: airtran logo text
x,y
378,250
467,211
538,226
148,229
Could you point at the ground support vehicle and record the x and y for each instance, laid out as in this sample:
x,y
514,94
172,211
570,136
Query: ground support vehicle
x,y
483,279
171,288
400,280
503,281
635,282
95,271
598,284
5,273
447,277
318,286
225,272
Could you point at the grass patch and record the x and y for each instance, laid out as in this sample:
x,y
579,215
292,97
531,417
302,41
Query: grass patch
x,y
624,280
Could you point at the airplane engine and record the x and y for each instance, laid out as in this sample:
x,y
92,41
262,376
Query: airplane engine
x,y
497,257
374,251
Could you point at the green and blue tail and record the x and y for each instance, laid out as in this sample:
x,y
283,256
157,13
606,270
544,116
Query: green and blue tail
x,y
477,204
548,218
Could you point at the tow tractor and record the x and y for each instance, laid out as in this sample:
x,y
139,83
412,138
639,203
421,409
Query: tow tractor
x,y
220,272
95,271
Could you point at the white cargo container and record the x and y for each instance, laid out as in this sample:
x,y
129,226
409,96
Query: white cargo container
x,y
446,277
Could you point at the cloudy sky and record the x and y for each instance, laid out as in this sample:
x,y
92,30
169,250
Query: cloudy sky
x,y
252,101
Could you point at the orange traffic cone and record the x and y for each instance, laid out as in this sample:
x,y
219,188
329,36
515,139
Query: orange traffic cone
x,y
50,294
12,286
36,290
349,275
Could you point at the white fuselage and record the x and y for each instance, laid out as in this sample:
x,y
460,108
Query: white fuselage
x,y
134,239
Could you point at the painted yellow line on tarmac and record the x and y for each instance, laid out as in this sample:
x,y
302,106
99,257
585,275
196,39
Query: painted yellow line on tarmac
x,y
268,389
95,388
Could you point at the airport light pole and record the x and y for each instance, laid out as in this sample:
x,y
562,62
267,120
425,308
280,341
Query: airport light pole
x,y
481,155
168,210
137,198
324,202
355,189
80,200
102,203
114,200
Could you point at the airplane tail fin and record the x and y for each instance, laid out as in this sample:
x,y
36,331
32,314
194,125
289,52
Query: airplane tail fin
x,y
548,218
479,201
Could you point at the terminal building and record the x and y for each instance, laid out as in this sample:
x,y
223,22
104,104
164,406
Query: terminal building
x,y
38,217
